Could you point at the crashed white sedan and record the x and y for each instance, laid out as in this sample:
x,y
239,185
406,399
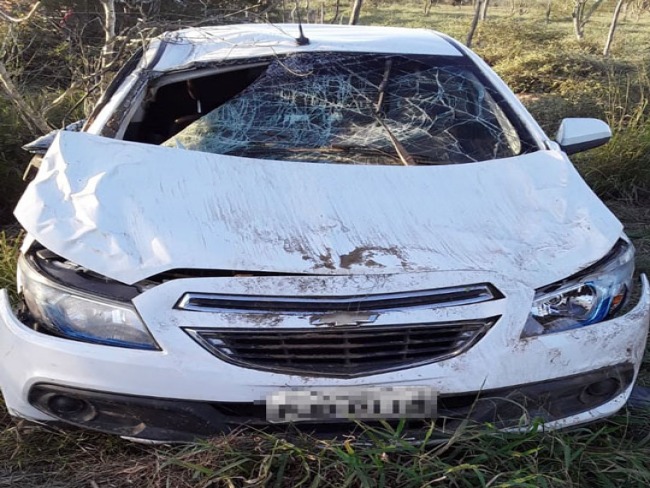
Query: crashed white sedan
x,y
256,227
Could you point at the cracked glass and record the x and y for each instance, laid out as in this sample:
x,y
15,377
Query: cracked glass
x,y
359,109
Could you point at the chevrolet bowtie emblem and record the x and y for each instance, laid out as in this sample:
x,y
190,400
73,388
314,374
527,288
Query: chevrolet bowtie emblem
x,y
339,319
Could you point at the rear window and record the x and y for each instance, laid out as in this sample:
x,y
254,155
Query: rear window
x,y
360,109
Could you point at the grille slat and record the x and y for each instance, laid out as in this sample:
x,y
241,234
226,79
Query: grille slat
x,y
442,297
303,334
351,345
346,351
351,356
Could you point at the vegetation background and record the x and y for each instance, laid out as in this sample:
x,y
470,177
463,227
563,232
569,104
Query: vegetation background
x,y
55,63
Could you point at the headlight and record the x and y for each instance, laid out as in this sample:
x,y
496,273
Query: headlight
x,y
588,297
84,317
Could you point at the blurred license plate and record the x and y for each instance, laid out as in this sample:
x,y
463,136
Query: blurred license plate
x,y
369,403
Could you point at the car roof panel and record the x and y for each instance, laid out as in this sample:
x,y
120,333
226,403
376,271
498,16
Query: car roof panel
x,y
188,47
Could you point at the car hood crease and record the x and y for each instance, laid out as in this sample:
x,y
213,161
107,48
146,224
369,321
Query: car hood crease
x,y
129,211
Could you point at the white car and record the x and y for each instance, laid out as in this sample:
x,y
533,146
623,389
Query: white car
x,y
257,227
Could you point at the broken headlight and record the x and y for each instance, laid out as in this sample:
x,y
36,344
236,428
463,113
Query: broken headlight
x,y
70,313
588,297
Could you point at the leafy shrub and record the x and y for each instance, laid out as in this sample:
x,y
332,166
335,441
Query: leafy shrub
x,y
621,168
13,135
558,72
557,77
500,39
9,246
549,109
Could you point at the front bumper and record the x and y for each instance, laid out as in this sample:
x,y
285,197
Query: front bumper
x,y
161,419
169,387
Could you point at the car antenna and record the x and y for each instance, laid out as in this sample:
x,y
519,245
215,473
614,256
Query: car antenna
x,y
301,40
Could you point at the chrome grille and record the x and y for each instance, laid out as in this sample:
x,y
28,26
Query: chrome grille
x,y
441,297
342,351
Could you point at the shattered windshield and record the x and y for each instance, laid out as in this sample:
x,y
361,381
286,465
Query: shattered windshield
x,y
360,109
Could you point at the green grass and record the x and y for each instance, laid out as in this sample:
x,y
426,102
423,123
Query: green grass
x,y
613,453
9,247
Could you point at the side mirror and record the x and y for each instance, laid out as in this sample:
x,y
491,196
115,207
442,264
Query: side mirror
x,y
42,144
39,147
576,135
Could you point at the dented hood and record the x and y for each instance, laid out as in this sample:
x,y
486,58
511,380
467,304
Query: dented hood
x,y
130,211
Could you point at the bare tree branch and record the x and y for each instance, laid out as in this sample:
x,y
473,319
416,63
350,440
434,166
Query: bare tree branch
x,y
109,31
18,20
581,15
34,121
475,19
612,27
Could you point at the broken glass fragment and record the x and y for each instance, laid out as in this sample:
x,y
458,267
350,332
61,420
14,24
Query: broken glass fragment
x,y
360,109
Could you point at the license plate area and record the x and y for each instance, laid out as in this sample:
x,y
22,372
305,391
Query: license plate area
x,y
351,403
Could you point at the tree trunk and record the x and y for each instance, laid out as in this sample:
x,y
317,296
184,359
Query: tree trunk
x,y
578,9
356,10
337,11
472,29
109,32
484,8
34,121
612,28
581,16
548,11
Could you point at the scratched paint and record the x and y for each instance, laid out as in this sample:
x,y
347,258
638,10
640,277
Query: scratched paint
x,y
129,211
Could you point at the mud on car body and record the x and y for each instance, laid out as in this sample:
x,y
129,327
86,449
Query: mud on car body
x,y
252,230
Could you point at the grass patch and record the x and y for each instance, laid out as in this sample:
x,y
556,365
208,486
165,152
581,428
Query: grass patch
x,y
609,453
9,247
636,219
620,169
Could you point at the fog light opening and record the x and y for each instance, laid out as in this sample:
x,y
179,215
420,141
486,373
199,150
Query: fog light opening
x,y
71,408
596,392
